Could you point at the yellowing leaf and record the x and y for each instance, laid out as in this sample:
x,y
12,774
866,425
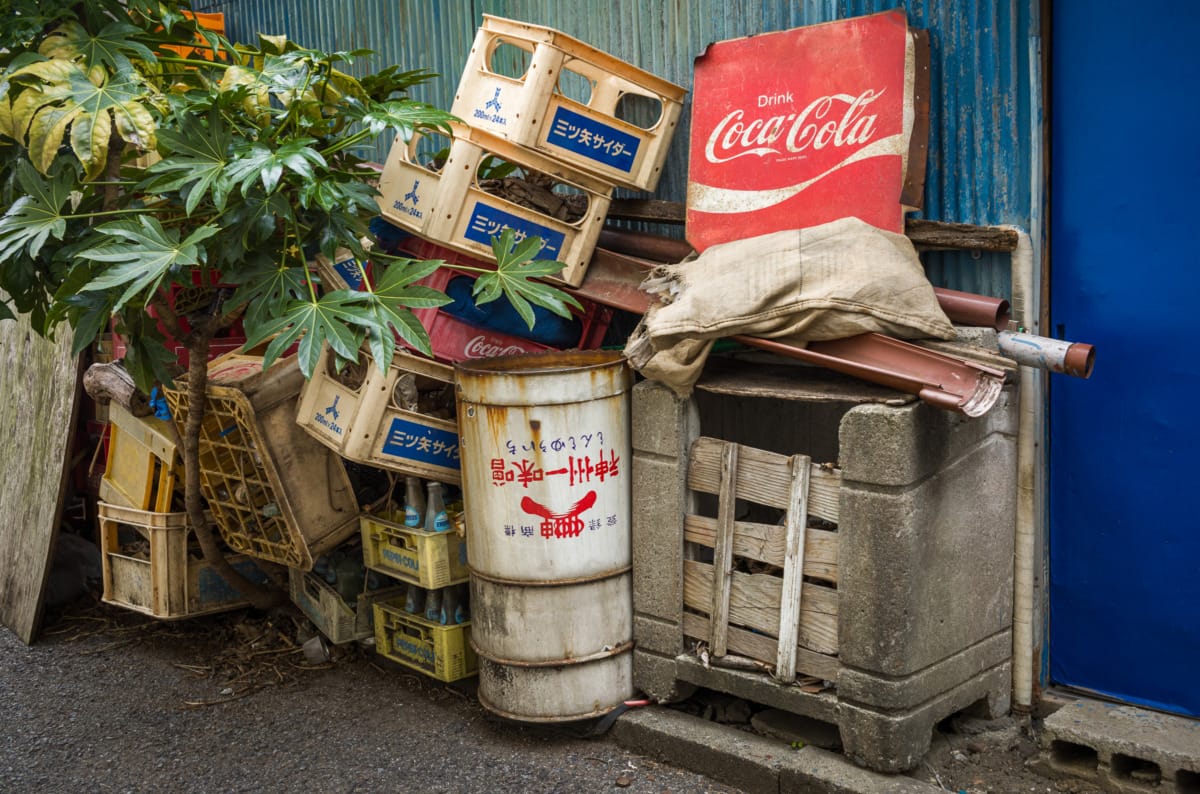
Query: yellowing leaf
x,y
135,124
46,134
89,141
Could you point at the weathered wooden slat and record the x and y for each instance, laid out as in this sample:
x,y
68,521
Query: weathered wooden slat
x,y
765,543
723,551
792,594
934,234
757,646
754,603
763,478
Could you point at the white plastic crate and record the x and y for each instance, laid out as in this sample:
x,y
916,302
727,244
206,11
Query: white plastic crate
x,y
449,206
533,110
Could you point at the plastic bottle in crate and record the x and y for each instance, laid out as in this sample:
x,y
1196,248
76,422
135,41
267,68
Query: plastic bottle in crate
x,y
414,502
414,600
435,510
454,606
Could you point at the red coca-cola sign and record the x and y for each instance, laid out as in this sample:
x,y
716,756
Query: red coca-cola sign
x,y
801,127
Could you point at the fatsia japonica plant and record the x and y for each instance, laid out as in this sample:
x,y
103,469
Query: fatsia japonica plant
x,y
140,154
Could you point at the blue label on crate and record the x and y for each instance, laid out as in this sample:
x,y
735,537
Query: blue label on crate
x,y
487,222
593,139
349,270
421,654
412,441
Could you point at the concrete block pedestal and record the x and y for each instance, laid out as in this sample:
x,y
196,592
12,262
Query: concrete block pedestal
x,y
925,547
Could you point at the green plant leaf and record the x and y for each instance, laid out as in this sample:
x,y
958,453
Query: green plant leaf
x,y
404,116
261,163
513,276
36,215
395,294
196,161
142,252
111,47
335,318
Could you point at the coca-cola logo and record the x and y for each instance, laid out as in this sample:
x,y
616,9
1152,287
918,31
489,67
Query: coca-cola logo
x,y
836,120
480,347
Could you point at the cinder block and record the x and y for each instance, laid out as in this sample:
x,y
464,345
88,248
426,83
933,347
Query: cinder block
x,y
657,542
662,424
885,445
896,741
927,571
655,675
811,770
660,636
1122,748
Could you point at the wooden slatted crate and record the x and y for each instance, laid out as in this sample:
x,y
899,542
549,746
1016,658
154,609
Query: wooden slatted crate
x,y
770,592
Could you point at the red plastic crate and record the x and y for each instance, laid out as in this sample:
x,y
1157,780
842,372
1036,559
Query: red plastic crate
x,y
455,340
234,338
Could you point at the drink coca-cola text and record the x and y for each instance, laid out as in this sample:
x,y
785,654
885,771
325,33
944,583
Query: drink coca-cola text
x,y
817,126
480,347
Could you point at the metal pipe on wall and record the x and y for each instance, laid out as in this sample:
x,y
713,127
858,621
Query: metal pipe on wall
x,y
1056,355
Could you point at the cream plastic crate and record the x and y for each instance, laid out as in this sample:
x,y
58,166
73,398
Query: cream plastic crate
x,y
449,206
344,271
338,621
171,581
533,111
367,423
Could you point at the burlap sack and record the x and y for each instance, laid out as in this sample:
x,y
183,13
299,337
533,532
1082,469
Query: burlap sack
x,y
828,282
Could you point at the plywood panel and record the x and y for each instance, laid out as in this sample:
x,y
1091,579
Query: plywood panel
x,y
37,412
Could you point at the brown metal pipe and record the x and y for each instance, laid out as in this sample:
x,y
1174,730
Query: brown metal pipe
x,y
643,244
967,308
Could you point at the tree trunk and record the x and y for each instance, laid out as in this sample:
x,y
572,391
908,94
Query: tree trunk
x,y
260,596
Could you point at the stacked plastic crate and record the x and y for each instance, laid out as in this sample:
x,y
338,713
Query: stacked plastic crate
x,y
540,153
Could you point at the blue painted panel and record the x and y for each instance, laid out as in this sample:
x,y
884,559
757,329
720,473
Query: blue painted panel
x,y
1124,539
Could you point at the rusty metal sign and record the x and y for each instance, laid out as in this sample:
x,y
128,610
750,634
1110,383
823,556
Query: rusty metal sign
x,y
800,127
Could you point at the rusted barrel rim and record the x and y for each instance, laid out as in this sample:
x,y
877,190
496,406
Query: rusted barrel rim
x,y
549,363
616,650
596,577
508,715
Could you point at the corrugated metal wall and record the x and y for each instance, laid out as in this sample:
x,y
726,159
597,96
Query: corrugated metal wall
x,y
980,139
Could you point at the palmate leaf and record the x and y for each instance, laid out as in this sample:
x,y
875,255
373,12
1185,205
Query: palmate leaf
x,y
336,318
111,47
142,252
198,154
390,303
36,215
258,162
404,116
66,93
515,267
265,298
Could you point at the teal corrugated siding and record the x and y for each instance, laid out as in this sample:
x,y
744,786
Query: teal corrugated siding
x,y
981,139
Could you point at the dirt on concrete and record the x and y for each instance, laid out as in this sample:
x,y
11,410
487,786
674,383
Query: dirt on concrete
x,y
107,700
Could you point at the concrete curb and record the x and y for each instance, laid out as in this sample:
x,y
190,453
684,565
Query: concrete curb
x,y
748,761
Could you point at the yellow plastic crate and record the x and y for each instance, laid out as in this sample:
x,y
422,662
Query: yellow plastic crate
x,y
450,207
171,580
143,463
443,652
366,422
424,558
591,132
336,619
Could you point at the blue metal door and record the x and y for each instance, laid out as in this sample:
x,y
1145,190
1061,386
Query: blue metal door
x,y
1125,269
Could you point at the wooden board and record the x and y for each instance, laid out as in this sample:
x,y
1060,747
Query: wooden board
x,y
764,478
38,407
765,543
754,603
756,646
